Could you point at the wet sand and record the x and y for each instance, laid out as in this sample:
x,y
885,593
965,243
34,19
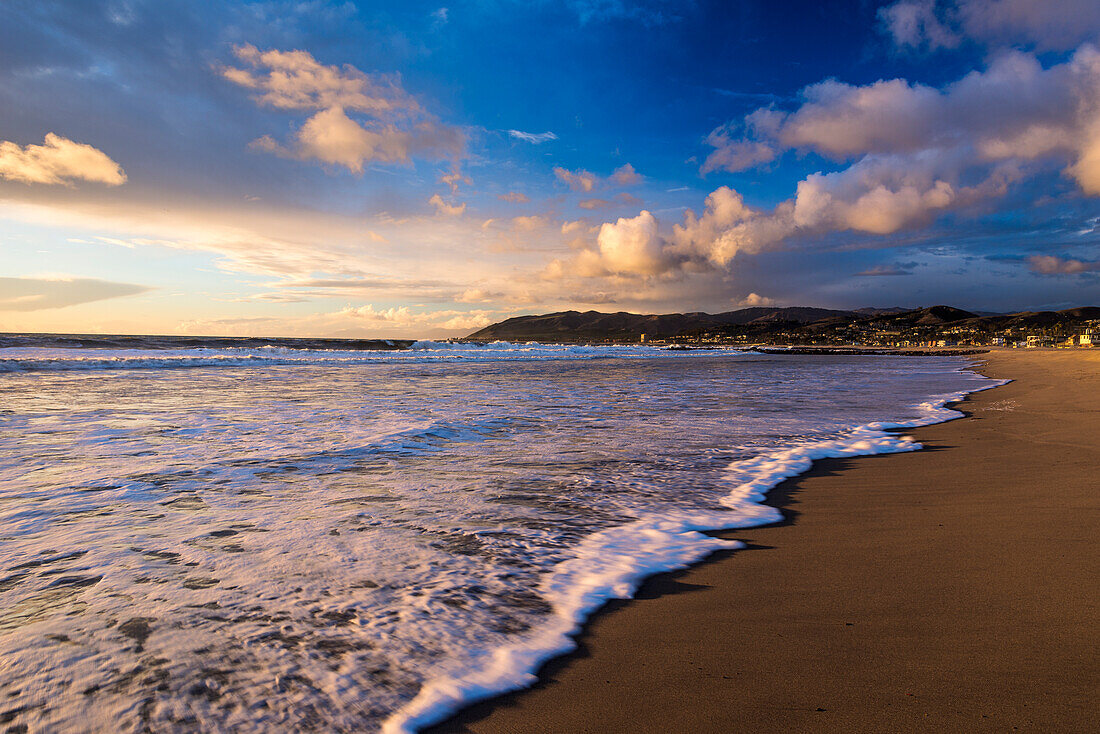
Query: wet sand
x,y
951,589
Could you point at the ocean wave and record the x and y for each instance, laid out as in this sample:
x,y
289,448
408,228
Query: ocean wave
x,y
612,563
46,360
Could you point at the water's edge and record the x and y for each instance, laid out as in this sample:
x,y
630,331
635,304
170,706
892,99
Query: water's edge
x,y
617,563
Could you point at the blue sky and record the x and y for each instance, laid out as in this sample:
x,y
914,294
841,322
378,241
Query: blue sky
x,y
422,169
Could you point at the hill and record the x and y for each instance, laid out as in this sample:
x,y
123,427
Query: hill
x,y
574,326
795,325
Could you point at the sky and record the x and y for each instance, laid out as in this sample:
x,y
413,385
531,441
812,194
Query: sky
x,y
407,169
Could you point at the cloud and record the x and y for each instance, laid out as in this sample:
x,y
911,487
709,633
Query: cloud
x,y
992,123
884,270
647,12
1015,108
620,199
755,299
744,144
625,175
441,206
914,24
533,138
579,180
514,197
35,294
391,126
294,80
403,316
630,246
735,155
58,161
528,224
454,178
1050,25
350,321
1052,265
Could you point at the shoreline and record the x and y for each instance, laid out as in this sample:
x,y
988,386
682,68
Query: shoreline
x,y
625,642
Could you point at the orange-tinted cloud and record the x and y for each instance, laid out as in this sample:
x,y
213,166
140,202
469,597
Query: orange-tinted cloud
x,y
58,161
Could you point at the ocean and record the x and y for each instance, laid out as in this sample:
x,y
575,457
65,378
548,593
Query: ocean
x,y
274,536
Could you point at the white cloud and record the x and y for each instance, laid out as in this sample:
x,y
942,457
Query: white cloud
x,y
533,138
629,247
514,197
1014,113
755,299
391,127
58,161
294,80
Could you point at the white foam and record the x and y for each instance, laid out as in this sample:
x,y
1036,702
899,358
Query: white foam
x,y
36,359
611,564
403,526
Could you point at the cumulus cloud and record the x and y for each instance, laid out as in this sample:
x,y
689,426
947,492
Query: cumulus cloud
x,y
728,227
514,197
533,138
878,195
35,294
443,207
992,124
625,175
587,182
579,180
631,246
58,161
1052,265
755,299
1015,108
389,125
1044,24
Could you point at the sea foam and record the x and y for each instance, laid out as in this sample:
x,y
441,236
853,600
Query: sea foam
x,y
349,540
611,564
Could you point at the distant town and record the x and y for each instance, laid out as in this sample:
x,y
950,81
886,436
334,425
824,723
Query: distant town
x,y
895,328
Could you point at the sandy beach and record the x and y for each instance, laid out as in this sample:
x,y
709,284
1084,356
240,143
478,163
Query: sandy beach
x,y
951,589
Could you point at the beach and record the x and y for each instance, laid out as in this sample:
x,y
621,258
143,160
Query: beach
x,y
950,589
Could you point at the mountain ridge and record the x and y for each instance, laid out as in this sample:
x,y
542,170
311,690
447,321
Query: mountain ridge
x,y
764,323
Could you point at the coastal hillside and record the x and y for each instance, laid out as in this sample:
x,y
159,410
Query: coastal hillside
x,y
887,326
574,326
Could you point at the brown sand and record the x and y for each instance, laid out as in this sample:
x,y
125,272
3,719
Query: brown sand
x,y
952,589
